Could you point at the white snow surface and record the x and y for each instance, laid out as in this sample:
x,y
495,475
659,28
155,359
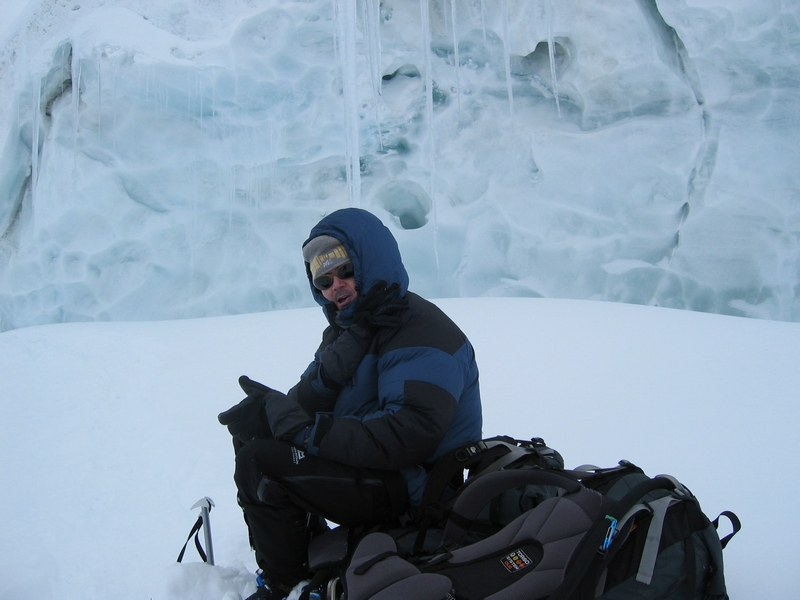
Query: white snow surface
x,y
165,160
109,431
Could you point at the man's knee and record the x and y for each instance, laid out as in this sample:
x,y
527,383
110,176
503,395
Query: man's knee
x,y
253,474
247,474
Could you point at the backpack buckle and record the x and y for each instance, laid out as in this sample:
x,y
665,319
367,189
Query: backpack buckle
x,y
471,450
611,532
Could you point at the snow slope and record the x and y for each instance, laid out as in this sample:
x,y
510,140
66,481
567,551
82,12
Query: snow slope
x,y
109,431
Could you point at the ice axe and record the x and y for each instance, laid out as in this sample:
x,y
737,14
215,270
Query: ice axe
x,y
203,522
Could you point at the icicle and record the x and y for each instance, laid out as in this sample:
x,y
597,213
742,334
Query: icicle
x,y
76,104
35,133
483,21
114,103
372,26
552,49
426,50
424,9
507,59
99,92
193,221
202,100
347,15
272,173
455,51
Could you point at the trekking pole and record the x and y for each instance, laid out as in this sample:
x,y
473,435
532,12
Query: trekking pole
x,y
205,505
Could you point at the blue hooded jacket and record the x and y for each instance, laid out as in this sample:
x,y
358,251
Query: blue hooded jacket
x,y
415,395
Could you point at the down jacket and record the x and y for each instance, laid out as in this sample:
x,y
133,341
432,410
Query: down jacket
x,y
415,395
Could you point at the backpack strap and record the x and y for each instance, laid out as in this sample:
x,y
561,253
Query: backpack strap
x,y
647,565
447,469
600,479
735,523
479,492
515,452
658,507
601,534
453,464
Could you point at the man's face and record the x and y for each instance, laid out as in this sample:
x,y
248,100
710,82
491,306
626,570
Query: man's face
x,y
342,291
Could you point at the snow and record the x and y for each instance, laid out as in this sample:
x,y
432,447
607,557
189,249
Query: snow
x,y
164,160
110,433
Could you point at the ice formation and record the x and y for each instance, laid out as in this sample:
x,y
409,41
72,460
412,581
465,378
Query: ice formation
x,y
166,160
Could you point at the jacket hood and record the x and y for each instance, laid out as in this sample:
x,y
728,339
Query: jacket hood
x,y
371,247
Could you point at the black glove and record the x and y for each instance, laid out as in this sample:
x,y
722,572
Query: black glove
x,y
248,420
252,388
286,418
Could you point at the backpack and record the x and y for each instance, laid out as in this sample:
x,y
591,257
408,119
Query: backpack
x,y
520,526
665,546
418,534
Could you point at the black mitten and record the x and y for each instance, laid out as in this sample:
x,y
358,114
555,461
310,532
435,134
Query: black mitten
x,y
252,388
247,420
286,418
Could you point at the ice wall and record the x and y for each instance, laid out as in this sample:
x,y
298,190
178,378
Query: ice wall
x,y
167,160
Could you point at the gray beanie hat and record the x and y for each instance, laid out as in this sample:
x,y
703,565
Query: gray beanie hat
x,y
323,254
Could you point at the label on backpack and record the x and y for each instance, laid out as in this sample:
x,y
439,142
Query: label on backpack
x,y
516,561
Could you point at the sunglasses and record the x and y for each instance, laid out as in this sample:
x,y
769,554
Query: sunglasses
x,y
323,282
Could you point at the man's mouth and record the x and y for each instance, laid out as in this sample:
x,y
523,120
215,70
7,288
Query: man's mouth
x,y
343,298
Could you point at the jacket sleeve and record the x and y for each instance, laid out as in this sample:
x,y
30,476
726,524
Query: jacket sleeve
x,y
418,389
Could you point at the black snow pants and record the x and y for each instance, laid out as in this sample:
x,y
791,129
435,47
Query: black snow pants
x,y
286,495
